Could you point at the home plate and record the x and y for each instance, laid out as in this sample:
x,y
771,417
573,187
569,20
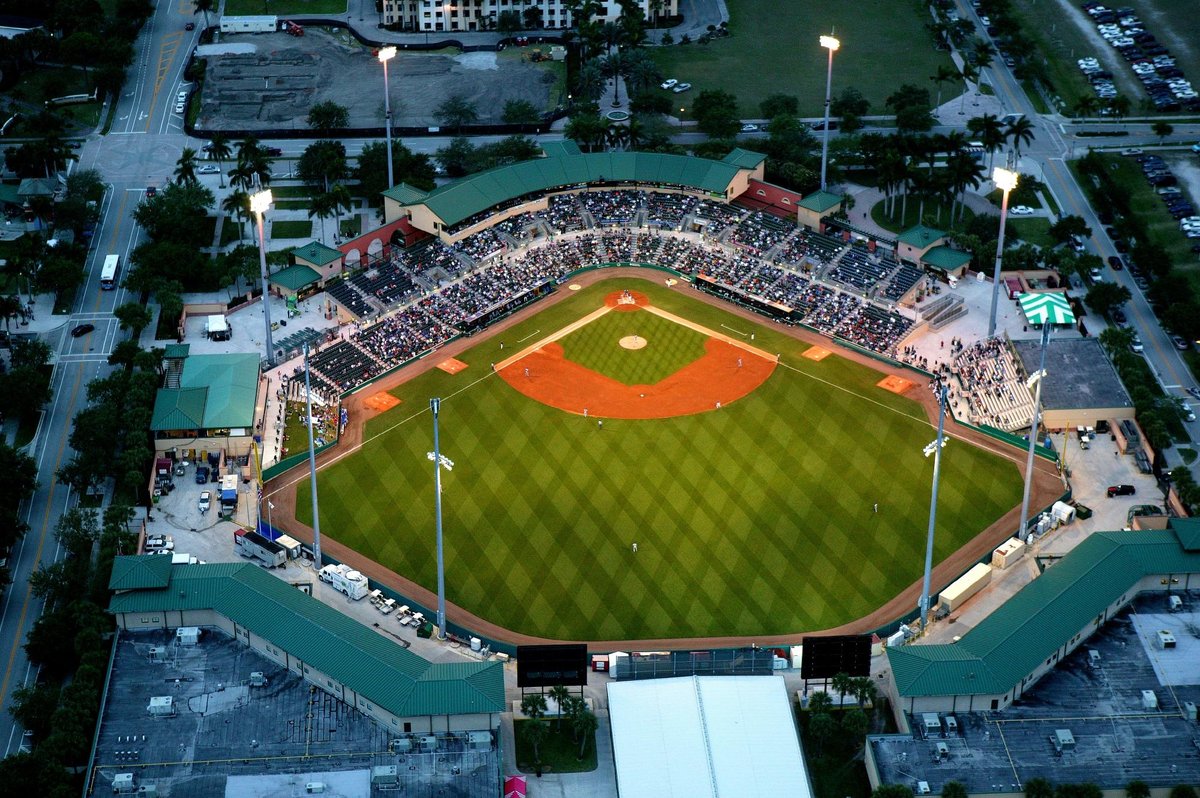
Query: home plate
x,y
816,353
452,366
895,384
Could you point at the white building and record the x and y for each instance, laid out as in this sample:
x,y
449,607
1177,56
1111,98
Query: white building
x,y
478,15
704,736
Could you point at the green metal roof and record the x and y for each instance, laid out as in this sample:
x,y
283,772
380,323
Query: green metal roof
x,y
406,194
365,661
744,159
820,201
132,573
232,383
1188,530
293,278
556,149
1010,643
176,351
9,194
462,199
946,258
316,253
178,408
920,236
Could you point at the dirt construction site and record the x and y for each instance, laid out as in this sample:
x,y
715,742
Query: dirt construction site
x,y
269,81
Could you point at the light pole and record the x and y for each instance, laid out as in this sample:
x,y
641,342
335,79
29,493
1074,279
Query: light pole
x,y
259,203
934,449
831,44
312,464
1036,377
681,117
387,54
1006,181
439,462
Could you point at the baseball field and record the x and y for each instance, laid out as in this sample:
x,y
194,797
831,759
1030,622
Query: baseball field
x,y
746,472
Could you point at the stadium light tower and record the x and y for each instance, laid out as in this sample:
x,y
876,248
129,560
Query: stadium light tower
x,y
312,464
1037,377
1006,181
934,449
439,462
259,203
831,44
387,54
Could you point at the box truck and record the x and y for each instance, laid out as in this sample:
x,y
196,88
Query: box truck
x,y
345,579
257,547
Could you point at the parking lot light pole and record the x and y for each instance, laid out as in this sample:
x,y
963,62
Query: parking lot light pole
x,y
387,54
1037,377
934,449
312,464
259,203
831,44
1006,181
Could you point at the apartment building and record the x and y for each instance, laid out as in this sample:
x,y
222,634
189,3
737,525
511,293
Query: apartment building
x,y
479,15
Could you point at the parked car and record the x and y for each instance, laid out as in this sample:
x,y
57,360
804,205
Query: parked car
x,y
273,152
190,26
749,127
681,87
1118,316
1021,210
151,191
1116,262
205,501
201,475
1180,343
1136,346
180,107
1121,490
1185,410
208,169
669,83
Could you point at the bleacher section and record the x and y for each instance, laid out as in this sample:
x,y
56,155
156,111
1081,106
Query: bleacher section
x,y
388,283
344,365
875,328
816,247
859,269
345,294
563,213
985,378
904,279
718,215
612,207
669,210
760,232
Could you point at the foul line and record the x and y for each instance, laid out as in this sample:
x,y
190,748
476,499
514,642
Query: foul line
x,y
691,325
739,332
527,337
552,337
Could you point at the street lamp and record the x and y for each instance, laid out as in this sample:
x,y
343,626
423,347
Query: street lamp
x,y
387,54
312,463
681,117
1037,377
259,203
831,44
935,449
439,462
1006,181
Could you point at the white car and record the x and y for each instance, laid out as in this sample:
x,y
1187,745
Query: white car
x,y
205,501
1185,410
1021,210
1136,345
682,87
181,97
749,127
669,83
180,107
208,169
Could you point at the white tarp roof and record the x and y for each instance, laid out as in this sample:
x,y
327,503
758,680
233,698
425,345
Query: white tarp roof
x,y
703,736
217,323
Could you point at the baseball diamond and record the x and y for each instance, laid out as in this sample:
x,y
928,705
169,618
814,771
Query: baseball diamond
x,y
754,519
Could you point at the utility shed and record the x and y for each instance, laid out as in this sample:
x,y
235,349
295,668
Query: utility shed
x,y
704,736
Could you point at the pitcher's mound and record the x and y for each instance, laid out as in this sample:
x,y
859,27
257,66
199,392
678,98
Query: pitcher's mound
x,y
816,353
382,401
895,384
633,342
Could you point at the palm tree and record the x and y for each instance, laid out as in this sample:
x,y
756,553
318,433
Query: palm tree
x,y
535,731
219,150
615,135
1087,105
891,170
1019,132
1162,129
841,683
1119,106
339,200
560,694
970,74
990,131
589,83
641,71
983,53
322,207
964,172
533,705
584,725
612,66
820,702
202,7
944,74
185,167
237,203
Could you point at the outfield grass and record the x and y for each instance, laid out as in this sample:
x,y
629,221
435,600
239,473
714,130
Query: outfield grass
x,y
773,49
754,519
669,347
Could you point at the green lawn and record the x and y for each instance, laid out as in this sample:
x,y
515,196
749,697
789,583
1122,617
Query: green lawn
x,y
300,228
559,751
283,8
748,520
937,214
669,347
1031,230
1061,42
773,49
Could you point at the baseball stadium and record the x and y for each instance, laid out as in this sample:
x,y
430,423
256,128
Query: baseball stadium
x,y
659,430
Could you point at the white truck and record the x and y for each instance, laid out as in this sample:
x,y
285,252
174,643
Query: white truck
x,y
257,547
345,579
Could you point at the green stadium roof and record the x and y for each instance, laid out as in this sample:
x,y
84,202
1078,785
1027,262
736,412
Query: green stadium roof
x,y
470,196
215,392
1188,530
176,351
946,258
365,661
744,159
557,149
317,254
920,236
820,201
132,573
1009,644
293,278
